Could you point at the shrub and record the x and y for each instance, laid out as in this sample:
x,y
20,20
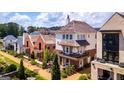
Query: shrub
x,y
44,65
11,52
89,76
10,68
64,75
83,77
70,70
19,55
30,73
33,62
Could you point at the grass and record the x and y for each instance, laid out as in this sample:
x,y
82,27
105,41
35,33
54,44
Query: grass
x,y
11,61
28,72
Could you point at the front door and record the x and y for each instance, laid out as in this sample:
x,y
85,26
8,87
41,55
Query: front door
x,y
81,64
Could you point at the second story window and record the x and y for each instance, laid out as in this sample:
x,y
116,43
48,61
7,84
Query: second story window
x,y
39,46
63,36
71,37
27,43
66,36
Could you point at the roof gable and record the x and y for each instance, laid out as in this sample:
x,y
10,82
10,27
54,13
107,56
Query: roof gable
x,y
9,37
115,22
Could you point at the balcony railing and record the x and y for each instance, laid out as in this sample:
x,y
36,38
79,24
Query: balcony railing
x,y
77,55
106,61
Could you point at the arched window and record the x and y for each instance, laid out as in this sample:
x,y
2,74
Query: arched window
x,y
39,46
27,43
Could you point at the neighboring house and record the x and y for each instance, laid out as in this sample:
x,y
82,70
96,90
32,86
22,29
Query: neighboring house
x,y
109,63
76,44
9,42
36,43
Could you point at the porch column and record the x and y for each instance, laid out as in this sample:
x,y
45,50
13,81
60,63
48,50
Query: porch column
x,y
115,76
14,46
62,61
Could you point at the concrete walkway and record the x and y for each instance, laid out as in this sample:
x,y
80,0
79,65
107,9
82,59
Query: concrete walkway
x,y
36,69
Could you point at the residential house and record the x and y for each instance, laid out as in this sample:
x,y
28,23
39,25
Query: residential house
x,y
12,43
36,44
9,42
76,44
109,63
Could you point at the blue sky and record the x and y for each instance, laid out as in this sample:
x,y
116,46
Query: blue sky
x,y
49,19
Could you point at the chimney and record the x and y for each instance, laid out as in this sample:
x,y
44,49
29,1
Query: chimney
x,y
68,19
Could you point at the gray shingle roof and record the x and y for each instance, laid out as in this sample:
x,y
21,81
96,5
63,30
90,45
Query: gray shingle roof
x,y
9,37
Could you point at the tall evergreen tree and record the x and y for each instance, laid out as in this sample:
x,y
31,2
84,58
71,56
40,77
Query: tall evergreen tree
x,y
56,75
22,71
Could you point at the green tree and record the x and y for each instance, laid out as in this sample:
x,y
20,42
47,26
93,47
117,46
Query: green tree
x,y
55,71
32,29
11,28
46,57
11,68
22,71
53,55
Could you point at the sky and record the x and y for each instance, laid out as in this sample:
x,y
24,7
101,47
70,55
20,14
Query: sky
x,y
49,19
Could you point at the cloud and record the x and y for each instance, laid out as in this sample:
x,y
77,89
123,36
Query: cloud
x,y
49,19
21,19
95,19
4,16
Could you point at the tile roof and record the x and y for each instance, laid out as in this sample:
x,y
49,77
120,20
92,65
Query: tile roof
x,y
34,38
77,26
49,39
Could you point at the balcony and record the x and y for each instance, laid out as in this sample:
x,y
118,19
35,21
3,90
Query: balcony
x,y
75,55
106,61
120,64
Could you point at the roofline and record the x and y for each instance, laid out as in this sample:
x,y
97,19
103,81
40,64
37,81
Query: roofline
x,y
110,31
30,39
